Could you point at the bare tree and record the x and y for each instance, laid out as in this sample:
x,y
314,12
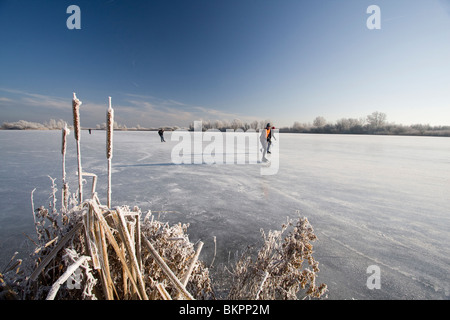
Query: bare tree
x,y
254,125
319,122
343,125
236,124
376,120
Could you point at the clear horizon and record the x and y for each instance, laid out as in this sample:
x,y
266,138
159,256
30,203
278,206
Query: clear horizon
x,y
169,63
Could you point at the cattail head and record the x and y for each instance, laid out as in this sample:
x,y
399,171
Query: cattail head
x,y
110,129
65,133
76,103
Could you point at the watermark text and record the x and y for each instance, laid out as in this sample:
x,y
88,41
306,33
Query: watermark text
x,y
230,147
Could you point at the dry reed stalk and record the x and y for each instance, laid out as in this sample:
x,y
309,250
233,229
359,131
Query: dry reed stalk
x,y
125,276
76,103
136,268
11,267
114,244
138,241
188,273
215,251
120,252
163,292
97,201
133,253
94,181
126,238
65,187
266,275
180,287
34,211
71,269
105,274
48,244
88,220
185,279
106,269
109,146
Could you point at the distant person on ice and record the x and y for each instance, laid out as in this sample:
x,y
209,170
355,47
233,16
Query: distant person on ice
x,y
264,139
269,137
161,134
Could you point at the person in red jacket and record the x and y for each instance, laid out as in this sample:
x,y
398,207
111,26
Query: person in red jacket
x,y
265,138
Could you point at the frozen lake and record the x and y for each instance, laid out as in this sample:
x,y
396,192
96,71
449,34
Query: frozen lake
x,y
372,200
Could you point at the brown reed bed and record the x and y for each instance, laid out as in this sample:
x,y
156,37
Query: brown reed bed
x,y
87,250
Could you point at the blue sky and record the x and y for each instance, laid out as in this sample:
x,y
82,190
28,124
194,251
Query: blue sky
x,y
172,62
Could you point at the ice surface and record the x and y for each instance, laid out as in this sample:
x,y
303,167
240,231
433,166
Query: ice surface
x,y
372,200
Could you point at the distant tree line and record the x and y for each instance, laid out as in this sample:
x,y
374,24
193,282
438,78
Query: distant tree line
x,y
375,123
28,125
59,124
138,127
236,124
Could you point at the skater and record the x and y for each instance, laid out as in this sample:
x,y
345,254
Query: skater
x,y
264,139
270,135
161,134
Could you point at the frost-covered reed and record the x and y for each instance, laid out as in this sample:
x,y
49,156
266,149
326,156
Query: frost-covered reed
x,y
65,187
76,103
109,146
282,267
